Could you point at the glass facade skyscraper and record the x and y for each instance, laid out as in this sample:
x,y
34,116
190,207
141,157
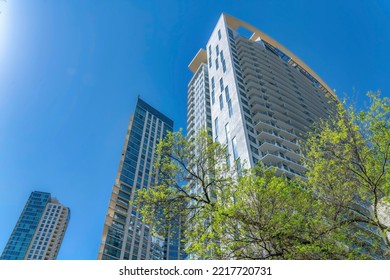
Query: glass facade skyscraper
x,y
39,232
125,236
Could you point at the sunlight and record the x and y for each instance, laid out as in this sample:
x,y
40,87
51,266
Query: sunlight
x,y
4,41
3,28
3,21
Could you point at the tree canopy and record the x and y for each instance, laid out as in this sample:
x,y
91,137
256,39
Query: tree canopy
x,y
348,169
337,212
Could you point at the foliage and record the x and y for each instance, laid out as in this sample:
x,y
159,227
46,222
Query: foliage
x,y
348,169
193,174
334,214
276,218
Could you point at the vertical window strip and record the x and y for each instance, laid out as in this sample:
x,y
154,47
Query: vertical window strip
x,y
227,93
230,108
216,126
234,146
220,102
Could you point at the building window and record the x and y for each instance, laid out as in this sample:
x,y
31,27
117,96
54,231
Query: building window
x,y
248,119
239,167
216,126
220,102
230,33
212,97
120,218
227,132
125,188
219,34
216,64
252,139
227,93
212,83
254,150
221,84
217,49
234,146
227,156
230,108
223,66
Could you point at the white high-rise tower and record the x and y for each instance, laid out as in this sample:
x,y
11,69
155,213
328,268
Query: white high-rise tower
x,y
263,99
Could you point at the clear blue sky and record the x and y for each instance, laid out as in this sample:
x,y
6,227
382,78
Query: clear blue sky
x,y
71,70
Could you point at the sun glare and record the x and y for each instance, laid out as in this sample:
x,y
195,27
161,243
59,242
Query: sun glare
x,y
4,38
3,28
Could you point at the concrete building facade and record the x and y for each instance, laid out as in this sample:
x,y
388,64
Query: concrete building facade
x,y
263,99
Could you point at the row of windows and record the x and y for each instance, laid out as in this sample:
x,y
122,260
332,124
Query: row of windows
x,y
35,257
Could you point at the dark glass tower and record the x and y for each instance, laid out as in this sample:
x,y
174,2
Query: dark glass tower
x,y
125,236
39,232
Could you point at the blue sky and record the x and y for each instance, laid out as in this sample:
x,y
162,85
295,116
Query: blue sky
x,y
71,71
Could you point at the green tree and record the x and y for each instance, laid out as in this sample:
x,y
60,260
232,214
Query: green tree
x,y
259,215
193,174
348,169
272,217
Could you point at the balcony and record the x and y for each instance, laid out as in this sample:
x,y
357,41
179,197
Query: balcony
x,y
271,134
283,168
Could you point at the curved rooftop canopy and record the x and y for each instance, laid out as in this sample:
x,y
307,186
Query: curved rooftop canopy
x,y
273,45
